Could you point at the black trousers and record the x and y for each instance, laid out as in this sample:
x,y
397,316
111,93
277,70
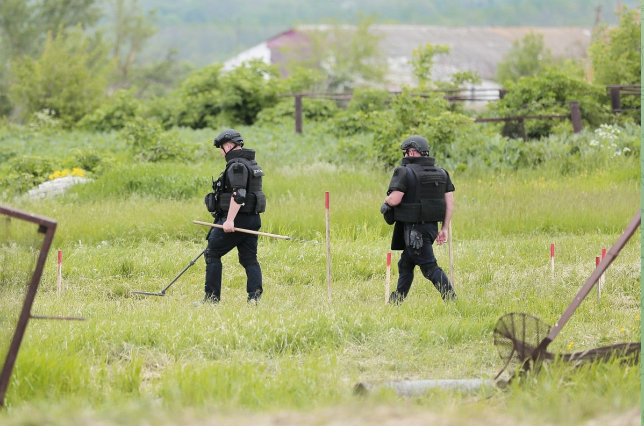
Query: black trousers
x,y
425,259
220,243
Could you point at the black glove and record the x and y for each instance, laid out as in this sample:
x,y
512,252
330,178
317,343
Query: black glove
x,y
415,239
387,213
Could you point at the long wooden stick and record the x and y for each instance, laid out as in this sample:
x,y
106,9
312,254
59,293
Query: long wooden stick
x,y
328,245
451,256
248,231
388,278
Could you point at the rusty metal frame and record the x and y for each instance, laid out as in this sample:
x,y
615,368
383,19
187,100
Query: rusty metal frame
x,y
48,227
613,252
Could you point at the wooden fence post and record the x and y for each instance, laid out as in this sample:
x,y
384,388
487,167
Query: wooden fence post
x,y
615,101
298,113
502,93
575,117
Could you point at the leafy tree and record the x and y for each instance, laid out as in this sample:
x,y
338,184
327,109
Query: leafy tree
x,y
423,61
248,89
526,57
349,56
198,98
615,51
549,93
130,29
68,79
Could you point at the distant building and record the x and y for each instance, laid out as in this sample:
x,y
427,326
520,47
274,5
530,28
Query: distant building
x,y
477,49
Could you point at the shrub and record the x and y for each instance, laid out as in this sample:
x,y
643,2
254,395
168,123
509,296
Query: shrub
x,y
119,109
284,111
149,142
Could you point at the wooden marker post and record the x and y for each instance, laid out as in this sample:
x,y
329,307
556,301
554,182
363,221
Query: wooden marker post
x,y
60,271
328,245
387,278
599,280
602,279
451,256
552,260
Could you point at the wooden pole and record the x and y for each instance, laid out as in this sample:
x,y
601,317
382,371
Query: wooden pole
x,y
552,260
328,245
247,231
575,117
599,281
388,278
451,255
298,113
60,270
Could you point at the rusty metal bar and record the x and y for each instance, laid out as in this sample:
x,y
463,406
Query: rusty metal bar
x,y
48,227
575,117
520,118
298,113
57,318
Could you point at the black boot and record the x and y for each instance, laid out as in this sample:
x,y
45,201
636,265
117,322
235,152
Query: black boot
x,y
396,298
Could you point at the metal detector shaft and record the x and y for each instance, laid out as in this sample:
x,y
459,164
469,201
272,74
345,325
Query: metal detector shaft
x,y
248,231
162,292
192,262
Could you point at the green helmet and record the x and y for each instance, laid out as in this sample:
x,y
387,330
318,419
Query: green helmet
x,y
419,143
230,135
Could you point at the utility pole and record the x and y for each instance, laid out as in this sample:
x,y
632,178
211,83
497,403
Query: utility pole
x,y
598,16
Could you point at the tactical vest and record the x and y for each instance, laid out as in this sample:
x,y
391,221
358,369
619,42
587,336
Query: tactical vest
x,y
255,199
424,200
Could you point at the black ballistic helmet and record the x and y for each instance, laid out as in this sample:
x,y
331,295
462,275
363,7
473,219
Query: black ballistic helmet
x,y
419,143
230,135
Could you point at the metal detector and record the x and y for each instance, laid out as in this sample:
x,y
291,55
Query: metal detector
x,y
162,292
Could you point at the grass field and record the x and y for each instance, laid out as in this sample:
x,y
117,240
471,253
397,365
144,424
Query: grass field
x,y
295,357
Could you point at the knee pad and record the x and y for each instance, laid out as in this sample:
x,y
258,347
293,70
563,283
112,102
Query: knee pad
x,y
249,261
405,266
429,269
210,258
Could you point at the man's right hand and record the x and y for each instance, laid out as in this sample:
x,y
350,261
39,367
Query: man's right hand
x,y
442,237
229,225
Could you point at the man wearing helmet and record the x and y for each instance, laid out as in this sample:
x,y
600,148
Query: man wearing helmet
x,y
420,195
237,201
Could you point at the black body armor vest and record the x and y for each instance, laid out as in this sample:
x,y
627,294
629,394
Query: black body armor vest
x,y
424,200
255,199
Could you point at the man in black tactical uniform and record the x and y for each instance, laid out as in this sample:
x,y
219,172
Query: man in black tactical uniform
x,y
420,195
237,201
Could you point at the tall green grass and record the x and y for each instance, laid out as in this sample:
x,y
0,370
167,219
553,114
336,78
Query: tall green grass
x,y
139,358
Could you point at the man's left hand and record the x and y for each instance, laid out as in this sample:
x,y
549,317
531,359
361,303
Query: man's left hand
x,y
229,226
442,237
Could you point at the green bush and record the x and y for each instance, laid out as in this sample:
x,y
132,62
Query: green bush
x,y
284,111
25,172
149,142
247,90
198,100
118,110
428,115
549,93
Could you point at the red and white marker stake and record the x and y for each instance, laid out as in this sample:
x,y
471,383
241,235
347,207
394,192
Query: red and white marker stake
x,y
388,278
599,281
552,259
602,279
328,245
60,270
